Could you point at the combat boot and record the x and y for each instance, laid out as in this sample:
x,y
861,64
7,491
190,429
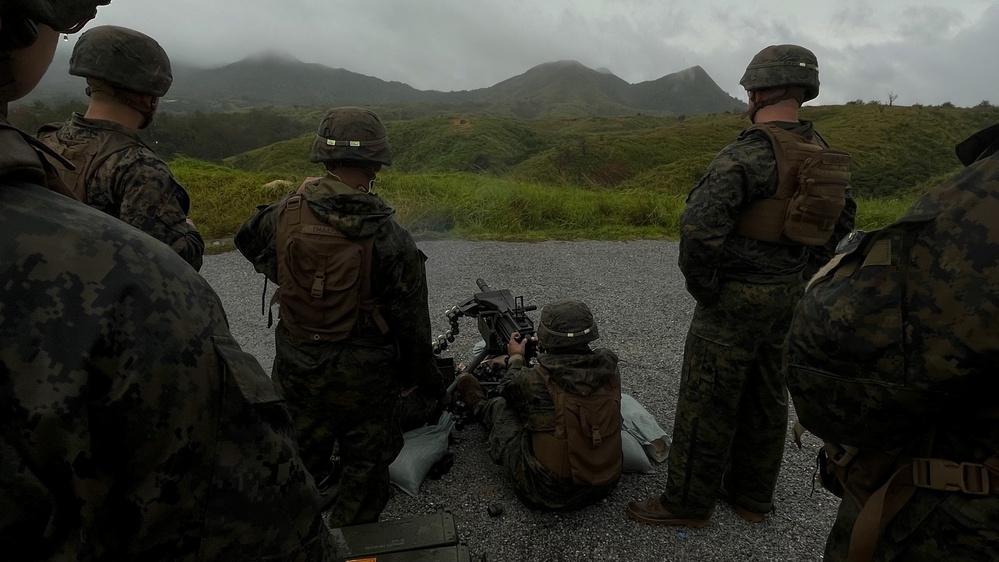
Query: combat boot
x,y
471,391
652,512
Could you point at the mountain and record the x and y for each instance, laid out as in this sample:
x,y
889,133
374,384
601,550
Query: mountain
x,y
556,89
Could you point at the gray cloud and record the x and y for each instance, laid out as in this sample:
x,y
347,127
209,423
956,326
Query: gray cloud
x,y
927,53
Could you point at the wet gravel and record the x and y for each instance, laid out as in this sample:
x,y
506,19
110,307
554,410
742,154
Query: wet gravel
x,y
636,292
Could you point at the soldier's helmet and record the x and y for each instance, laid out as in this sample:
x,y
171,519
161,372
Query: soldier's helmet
x,y
351,133
566,323
779,66
66,16
125,58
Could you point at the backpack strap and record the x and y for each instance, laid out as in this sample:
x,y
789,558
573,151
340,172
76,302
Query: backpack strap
x,y
369,304
551,451
290,215
976,479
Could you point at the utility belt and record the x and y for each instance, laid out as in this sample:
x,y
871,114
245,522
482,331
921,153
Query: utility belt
x,y
552,453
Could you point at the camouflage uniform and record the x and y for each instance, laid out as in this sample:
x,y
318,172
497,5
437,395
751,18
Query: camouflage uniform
x,y
950,311
731,417
133,185
346,391
133,426
524,407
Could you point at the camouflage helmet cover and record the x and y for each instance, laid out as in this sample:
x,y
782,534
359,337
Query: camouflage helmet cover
x,y
124,58
566,323
783,65
351,133
60,15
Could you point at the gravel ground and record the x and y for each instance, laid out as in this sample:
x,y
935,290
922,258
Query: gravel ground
x,y
636,292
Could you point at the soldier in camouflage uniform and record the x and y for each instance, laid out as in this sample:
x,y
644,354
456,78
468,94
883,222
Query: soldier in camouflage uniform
x,y
524,406
113,169
918,416
132,426
732,412
344,392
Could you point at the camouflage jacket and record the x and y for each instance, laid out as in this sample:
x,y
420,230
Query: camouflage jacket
x,y
398,275
526,392
710,252
132,426
133,185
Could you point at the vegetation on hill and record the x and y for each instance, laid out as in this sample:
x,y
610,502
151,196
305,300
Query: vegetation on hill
x,y
896,150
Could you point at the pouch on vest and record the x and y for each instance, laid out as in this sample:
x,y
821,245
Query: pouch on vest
x,y
811,192
587,434
847,355
324,277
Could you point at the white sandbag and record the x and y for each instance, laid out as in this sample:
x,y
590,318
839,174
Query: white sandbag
x,y
643,426
422,447
635,459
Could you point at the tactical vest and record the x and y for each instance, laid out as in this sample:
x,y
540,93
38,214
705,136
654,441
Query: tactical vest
x,y
86,157
586,445
810,196
324,277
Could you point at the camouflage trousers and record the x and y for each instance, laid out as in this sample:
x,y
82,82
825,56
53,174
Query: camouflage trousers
x,y
345,394
731,416
537,487
932,526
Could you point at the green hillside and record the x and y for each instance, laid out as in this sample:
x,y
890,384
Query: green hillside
x,y
896,150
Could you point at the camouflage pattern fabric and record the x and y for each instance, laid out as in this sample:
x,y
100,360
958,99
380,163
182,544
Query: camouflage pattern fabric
x,y
342,391
136,186
778,66
731,415
950,311
132,427
524,407
124,58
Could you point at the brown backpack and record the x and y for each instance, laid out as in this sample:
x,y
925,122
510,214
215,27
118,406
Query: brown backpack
x,y
87,157
810,196
586,445
324,276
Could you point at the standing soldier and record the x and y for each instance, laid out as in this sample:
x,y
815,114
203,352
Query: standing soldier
x,y
354,325
132,426
112,170
747,246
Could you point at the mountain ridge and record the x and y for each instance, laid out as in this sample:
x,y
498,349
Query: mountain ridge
x,y
557,88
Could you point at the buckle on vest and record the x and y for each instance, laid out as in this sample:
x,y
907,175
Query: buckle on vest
x,y
317,284
949,476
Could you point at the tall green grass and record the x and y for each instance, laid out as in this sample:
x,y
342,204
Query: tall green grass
x,y
477,206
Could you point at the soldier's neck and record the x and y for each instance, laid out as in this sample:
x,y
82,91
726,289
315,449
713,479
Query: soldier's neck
x,y
353,177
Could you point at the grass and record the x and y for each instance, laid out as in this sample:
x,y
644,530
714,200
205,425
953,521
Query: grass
x,y
478,206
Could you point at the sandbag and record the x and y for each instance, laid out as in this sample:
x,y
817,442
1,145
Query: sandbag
x,y
645,429
422,448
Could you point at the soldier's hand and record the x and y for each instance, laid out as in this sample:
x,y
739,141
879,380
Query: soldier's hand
x,y
190,223
517,344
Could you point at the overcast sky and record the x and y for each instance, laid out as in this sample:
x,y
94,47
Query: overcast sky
x,y
927,52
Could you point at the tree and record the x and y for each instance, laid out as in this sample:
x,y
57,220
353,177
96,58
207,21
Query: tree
x,y
892,96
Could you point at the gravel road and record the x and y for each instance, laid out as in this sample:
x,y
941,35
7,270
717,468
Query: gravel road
x,y
636,292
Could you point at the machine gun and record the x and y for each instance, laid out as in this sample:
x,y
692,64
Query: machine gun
x,y
498,315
